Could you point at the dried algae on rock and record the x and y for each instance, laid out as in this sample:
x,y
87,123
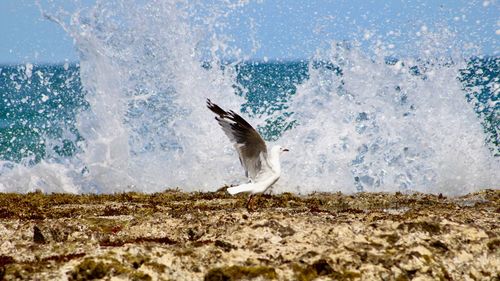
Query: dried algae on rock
x,y
174,235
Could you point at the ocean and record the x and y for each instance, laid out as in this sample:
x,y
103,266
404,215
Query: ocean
x,y
40,105
131,115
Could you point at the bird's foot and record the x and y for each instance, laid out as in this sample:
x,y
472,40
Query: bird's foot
x,y
249,204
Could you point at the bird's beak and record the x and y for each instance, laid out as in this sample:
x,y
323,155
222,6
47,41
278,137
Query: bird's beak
x,y
285,149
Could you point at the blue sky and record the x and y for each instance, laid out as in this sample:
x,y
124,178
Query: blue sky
x,y
27,37
286,29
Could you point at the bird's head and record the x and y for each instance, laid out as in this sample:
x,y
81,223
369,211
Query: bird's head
x,y
279,149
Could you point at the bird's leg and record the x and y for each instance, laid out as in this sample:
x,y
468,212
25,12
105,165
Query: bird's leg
x,y
249,201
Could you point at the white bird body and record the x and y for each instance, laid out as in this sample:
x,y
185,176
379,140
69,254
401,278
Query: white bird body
x,y
262,169
268,175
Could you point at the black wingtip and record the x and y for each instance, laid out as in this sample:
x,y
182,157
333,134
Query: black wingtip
x,y
215,108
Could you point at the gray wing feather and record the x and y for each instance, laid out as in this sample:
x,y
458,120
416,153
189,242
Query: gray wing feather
x,y
247,141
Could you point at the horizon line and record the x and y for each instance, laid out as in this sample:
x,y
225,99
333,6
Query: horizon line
x,y
256,60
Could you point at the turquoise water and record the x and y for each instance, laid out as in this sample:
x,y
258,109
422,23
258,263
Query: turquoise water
x,y
480,80
38,106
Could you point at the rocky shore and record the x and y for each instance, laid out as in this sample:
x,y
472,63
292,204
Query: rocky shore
x,y
211,236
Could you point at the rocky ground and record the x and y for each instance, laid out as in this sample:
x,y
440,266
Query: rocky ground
x,y
211,236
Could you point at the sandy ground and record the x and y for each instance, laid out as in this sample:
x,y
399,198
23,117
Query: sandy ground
x,y
211,236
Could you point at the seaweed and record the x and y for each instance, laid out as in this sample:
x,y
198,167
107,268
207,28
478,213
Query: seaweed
x,y
90,269
225,246
211,235
235,272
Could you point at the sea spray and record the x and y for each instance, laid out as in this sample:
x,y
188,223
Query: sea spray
x,y
386,125
146,127
353,120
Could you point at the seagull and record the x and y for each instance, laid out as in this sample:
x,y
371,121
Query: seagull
x,y
262,169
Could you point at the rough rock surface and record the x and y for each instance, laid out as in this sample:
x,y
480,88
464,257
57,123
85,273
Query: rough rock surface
x,y
211,236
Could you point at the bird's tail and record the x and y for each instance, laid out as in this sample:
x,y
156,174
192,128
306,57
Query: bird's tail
x,y
247,187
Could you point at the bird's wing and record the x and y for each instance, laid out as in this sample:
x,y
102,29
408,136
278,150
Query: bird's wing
x,y
249,144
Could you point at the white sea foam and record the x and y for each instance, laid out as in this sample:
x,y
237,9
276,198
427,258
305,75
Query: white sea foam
x,y
381,127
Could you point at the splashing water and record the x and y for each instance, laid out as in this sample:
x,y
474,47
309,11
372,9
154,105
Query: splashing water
x,y
386,126
354,123
146,91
